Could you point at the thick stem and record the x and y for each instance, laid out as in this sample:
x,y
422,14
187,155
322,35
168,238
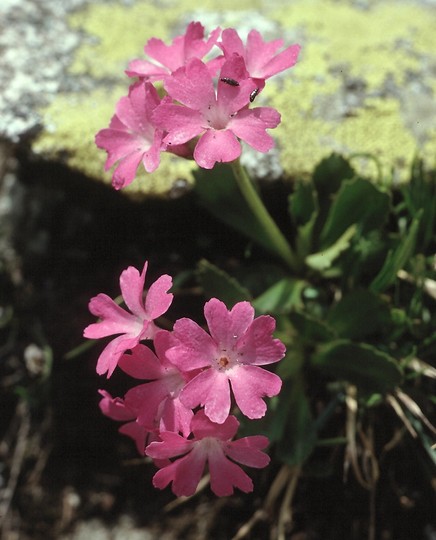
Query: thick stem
x,y
278,241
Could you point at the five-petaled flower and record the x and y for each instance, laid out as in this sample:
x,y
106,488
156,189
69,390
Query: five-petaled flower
x,y
171,57
212,445
231,355
219,118
262,60
157,402
132,137
134,326
116,409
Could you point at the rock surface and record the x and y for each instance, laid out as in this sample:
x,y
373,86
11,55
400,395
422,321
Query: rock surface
x,y
365,82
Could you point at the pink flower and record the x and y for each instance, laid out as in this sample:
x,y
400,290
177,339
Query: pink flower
x,y
231,355
157,402
210,445
132,137
117,409
133,326
218,119
261,58
171,57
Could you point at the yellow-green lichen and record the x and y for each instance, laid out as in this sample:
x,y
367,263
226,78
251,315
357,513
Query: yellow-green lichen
x,y
374,46
373,43
119,34
377,130
386,44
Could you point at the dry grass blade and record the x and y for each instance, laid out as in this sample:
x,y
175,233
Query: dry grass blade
x,y
286,512
182,500
428,285
7,493
422,368
351,452
400,413
287,478
415,409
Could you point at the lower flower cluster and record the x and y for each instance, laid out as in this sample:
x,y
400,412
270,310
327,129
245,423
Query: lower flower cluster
x,y
179,414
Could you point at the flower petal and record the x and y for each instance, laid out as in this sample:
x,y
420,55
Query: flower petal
x,y
146,399
117,144
185,474
167,55
284,60
194,45
259,53
142,363
231,43
225,475
176,417
248,451
132,289
195,346
108,359
227,326
202,427
216,146
182,123
250,125
192,85
115,408
158,299
257,345
125,172
250,384
115,320
145,69
151,157
211,389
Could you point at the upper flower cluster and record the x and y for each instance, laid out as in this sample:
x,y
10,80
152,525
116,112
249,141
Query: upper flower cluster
x,y
182,405
207,107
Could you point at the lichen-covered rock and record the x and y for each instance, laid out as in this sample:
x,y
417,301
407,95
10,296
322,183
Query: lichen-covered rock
x,y
365,83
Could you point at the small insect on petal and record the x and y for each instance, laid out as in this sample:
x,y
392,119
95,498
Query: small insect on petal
x,y
254,94
229,81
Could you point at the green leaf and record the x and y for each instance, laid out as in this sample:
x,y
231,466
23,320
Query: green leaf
x,y
420,193
397,258
324,259
302,203
310,330
426,440
303,209
217,283
293,425
281,297
218,193
357,202
359,314
329,175
327,179
293,361
363,365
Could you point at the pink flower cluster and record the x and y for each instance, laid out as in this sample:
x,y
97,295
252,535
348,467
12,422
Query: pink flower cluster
x,y
206,110
179,414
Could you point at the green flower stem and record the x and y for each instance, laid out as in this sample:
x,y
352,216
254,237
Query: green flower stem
x,y
278,241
